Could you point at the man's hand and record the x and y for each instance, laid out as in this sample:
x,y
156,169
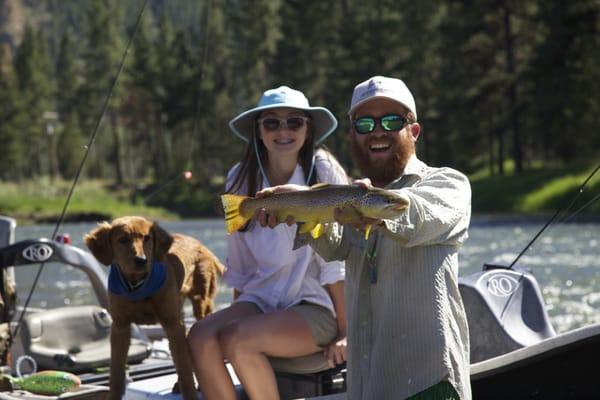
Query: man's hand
x,y
335,352
266,218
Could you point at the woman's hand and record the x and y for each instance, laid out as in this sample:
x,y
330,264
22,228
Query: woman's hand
x,y
335,352
266,218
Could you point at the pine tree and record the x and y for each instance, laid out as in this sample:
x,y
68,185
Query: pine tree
x,y
104,50
36,87
11,120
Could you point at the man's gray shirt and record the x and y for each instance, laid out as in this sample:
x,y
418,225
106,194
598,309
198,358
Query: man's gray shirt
x,y
407,328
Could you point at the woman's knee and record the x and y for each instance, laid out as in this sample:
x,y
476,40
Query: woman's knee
x,y
202,337
233,339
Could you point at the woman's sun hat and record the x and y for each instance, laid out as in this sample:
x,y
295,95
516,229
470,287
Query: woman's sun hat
x,y
323,121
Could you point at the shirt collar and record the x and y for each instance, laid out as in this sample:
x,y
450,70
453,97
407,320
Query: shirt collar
x,y
414,167
297,178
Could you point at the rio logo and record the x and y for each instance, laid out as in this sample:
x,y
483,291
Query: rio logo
x,y
501,285
38,252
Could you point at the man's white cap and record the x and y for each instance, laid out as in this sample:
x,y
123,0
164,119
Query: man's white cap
x,y
381,86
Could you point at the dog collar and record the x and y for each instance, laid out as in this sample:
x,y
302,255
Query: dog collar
x,y
152,284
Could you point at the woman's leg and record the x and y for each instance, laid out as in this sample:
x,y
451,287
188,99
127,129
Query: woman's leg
x,y
247,342
207,356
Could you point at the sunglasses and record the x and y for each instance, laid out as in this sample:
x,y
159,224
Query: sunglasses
x,y
389,123
273,123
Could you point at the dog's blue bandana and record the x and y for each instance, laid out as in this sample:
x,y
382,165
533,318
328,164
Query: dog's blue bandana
x,y
152,284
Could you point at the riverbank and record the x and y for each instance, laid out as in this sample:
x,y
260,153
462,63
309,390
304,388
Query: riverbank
x,y
42,201
534,195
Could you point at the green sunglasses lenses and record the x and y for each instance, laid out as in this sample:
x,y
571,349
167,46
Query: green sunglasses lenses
x,y
389,123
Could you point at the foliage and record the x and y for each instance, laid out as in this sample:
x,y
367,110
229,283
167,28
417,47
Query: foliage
x,y
497,83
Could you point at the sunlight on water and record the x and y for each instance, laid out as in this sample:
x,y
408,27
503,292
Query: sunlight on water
x,y
564,261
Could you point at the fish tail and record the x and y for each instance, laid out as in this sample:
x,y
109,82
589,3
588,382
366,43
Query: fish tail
x,y
6,384
231,206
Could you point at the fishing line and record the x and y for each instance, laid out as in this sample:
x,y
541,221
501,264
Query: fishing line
x,y
88,147
187,173
558,211
586,205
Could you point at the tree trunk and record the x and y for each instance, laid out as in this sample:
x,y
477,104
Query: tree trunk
x,y
512,91
117,143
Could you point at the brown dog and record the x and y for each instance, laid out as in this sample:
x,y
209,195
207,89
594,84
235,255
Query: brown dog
x,y
152,273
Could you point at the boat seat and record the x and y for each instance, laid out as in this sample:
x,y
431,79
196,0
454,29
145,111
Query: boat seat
x,y
75,339
309,375
505,311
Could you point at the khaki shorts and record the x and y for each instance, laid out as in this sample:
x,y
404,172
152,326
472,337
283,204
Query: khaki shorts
x,y
320,320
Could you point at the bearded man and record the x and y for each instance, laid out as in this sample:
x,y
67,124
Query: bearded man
x,y
407,329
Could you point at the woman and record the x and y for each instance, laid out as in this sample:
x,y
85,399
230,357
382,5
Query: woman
x,y
287,303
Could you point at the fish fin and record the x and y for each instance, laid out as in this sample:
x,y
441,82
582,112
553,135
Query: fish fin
x,y
368,231
317,231
231,206
348,215
6,384
306,227
320,185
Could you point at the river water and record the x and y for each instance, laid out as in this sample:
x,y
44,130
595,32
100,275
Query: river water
x,y
565,261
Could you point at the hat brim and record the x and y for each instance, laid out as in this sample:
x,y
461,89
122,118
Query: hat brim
x,y
323,121
360,103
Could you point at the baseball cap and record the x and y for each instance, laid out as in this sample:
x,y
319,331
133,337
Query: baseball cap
x,y
382,86
323,121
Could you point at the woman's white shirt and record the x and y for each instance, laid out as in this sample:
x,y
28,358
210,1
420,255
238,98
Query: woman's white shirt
x,y
262,264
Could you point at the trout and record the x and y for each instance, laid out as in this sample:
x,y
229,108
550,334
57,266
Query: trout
x,y
315,206
49,383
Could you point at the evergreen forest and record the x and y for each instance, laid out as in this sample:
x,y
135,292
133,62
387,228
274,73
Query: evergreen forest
x,y
496,82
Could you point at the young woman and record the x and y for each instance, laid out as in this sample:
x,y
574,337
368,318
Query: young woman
x,y
287,303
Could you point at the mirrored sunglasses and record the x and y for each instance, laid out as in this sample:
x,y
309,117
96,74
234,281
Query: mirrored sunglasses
x,y
389,123
273,123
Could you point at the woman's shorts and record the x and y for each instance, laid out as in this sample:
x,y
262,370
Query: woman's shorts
x,y
320,320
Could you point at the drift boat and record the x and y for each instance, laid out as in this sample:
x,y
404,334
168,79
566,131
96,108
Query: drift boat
x,y
515,352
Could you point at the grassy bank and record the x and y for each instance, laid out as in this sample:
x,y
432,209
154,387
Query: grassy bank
x,y
538,191
43,200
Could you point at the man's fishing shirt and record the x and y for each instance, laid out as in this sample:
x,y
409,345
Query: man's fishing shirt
x,y
407,327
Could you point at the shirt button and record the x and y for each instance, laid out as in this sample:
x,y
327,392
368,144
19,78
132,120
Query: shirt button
x,y
365,356
364,323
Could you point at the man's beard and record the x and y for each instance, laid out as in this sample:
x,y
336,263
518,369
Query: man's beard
x,y
383,172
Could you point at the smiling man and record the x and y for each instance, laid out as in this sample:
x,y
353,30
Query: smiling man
x,y
407,329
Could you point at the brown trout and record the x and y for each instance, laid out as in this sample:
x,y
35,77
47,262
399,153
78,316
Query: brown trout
x,y
316,206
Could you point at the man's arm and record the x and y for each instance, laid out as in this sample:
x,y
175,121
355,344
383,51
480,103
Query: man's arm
x,y
439,211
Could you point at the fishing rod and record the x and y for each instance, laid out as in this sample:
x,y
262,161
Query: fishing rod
x,y
546,225
558,211
87,148
187,173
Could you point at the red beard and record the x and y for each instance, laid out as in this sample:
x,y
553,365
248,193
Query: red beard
x,y
383,172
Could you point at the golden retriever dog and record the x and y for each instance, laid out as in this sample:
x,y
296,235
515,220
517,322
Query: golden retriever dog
x,y
152,272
